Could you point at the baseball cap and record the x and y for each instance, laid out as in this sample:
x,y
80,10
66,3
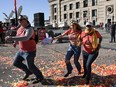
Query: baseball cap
x,y
73,22
23,17
89,23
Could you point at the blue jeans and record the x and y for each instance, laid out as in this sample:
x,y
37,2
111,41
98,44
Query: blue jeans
x,y
29,66
76,51
88,59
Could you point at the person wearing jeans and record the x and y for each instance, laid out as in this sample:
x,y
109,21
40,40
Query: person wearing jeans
x,y
29,66
90,50
88,59
74,33
27,49
76,51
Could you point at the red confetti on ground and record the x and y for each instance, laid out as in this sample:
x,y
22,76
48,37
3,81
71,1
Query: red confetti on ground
x,y
20,84
102,76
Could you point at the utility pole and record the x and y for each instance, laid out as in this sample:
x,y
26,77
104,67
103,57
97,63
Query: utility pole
x,y
15,8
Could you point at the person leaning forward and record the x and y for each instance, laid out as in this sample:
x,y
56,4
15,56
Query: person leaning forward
x,y
90,49
27,49
74,48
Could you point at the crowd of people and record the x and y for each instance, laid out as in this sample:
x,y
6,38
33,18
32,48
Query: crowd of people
x,y
87,41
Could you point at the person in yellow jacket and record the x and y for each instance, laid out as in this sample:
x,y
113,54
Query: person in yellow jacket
x,y
91,41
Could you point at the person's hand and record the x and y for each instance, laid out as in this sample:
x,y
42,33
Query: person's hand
x,y
8,38
79,44
14,45
99,46
54,38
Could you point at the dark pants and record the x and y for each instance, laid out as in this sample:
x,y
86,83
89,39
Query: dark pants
x,y
112,37
73,50
29,66
2,37
88,59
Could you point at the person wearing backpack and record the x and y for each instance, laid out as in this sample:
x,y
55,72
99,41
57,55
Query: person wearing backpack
x,y
27,49
90,49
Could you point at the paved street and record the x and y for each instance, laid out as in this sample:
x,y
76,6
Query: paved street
x,y
50,59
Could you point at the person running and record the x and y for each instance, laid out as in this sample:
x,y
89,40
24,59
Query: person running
x,y
27,49
74,47
91,47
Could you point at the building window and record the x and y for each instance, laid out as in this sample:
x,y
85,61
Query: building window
x,y
70,15
85,3
65,7
94,13
84,13
65,16
70,6
54,10
77,5
77,14
55,17
94,2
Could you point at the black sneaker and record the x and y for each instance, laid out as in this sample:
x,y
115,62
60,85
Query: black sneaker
x,y
110,42
26,76
84,76
67,74
37,80
87,82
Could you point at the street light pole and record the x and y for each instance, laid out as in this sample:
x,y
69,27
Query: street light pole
x,y
15,8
